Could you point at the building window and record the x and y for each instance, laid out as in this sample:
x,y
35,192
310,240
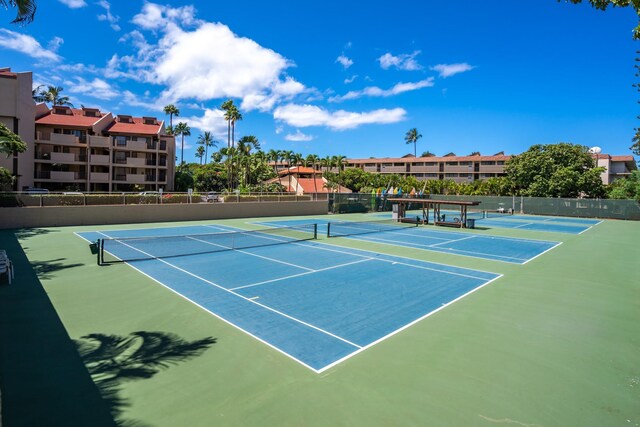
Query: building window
x,y
500,162
487,163
465,163
417,164
431,164
452,163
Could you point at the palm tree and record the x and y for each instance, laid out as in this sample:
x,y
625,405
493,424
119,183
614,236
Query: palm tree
x,y
182,129
326,163
226,107
287,156
200,153
26,10
411,137
340,162
171,110
245,145
235,116
312,160
427,154
274,156
52,95
206,140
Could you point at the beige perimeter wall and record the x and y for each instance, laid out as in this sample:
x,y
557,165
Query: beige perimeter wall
x,y
96,215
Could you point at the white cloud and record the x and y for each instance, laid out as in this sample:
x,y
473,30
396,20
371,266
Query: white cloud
x,y
55,43
344,61
231,66
97,88
73,4
311,115
107,16
131,99
375,91
167,18
26,44
212,120
298,136
448,70
404,61
279,130
350,79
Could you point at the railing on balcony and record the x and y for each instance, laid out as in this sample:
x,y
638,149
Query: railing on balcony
x,y
100,159
163,145
162,162
151,162
120,177
152,145
120,161
135,161
150,178
99,177
99,141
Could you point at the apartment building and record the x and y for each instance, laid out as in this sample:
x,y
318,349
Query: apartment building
x,y
472,168
17,112
85,149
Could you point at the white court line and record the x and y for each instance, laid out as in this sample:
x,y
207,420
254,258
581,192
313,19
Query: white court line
x,y
456,240
490,257
252,254
542,253
524,225
240,296
302,274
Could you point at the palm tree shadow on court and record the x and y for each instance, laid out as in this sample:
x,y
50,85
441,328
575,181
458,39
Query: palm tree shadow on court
x,y
113,360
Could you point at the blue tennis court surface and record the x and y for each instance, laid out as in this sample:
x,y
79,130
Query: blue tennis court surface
x,y
525,222
318,304
497,248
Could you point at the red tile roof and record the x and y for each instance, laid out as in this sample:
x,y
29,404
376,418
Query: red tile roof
x,y
76,118
622,159
6,73
137,127
300,170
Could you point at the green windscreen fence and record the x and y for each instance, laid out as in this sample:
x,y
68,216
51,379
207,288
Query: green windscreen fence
x,y
586,208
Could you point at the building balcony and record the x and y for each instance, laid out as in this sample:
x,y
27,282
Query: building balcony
x,y
57,138
63,157
393,169
491,169
456,169
136,161
424,169
61,139
135,178
99,177
99,159
99,141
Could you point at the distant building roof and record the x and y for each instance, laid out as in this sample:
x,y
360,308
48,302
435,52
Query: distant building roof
x,y
135,125
299,170
65,116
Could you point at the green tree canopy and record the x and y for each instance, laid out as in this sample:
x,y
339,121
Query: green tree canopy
x,y
626,188
10,142
555,170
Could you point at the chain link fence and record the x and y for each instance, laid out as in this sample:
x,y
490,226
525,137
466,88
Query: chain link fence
x,y
585,208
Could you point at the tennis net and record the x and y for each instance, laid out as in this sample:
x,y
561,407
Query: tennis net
x,y
151,247
352,228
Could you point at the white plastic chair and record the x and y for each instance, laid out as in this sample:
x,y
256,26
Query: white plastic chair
x,y
6,267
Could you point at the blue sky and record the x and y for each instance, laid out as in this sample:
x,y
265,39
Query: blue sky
x,y
347,78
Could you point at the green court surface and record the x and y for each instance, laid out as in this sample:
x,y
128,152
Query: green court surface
x,y
554,342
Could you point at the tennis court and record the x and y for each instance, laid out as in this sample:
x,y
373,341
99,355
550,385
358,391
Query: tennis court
x,y
316,303
496,248
549,224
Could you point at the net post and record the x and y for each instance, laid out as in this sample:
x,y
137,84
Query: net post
x,y
315,231
100,256
328,229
